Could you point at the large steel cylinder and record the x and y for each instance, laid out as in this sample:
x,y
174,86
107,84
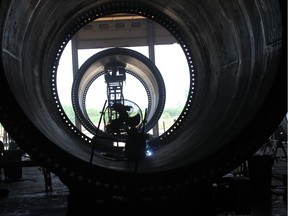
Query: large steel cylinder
x,y
235,51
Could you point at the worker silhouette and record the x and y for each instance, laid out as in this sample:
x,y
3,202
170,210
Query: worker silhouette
x,y
135,145
3,192
116,123
2,149
123,119
2,152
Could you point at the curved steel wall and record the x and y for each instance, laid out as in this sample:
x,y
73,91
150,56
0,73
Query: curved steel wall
x,y
238,58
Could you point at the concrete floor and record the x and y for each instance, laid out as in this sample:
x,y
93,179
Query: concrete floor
x,y
27,195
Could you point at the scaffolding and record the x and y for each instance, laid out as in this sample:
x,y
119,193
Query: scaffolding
x,y
115,75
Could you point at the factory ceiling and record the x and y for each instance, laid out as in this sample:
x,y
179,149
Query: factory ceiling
x,y
122,30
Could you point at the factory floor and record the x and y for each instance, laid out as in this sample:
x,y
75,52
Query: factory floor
x,y
28,196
